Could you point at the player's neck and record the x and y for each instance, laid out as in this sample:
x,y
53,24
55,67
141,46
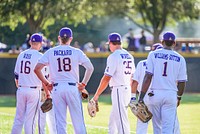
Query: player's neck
x,y
65,44
34,48
118,47
168,48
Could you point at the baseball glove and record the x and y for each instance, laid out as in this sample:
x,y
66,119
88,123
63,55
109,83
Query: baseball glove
x,y
141,111
92,108
47,105
84,94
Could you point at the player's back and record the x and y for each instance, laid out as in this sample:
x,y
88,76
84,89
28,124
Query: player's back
x,y
123,67
140,73
167,67
64,62
25,65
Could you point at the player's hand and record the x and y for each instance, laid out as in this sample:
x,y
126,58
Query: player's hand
x,y
49,86
132,102
81,86
95,98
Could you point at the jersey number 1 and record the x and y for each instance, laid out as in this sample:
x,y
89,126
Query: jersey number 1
x,y
64,64
165,69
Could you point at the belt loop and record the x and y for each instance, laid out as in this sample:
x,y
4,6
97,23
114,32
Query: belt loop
x,y
72,84
55,84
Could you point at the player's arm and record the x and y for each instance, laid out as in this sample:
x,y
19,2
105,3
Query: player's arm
x,y
134,85
102,86
46,90
16,80
145,85
181,88
88,72
38,72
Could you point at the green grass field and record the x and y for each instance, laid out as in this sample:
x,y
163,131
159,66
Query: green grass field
x,y
188,114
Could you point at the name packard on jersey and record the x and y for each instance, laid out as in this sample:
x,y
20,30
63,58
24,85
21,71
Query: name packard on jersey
x,y
167,57
62,52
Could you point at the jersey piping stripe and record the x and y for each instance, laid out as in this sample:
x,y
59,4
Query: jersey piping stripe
x,y
82,112
35,113
39,121
56,122
120,111
148,73
108,74
182,80
175,122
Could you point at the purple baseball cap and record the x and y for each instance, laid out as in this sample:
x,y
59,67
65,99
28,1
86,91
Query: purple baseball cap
x,y
65,32
156,46
169,36
114,37
36,37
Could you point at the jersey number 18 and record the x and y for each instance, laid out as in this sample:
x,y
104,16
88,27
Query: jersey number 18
x,y
64,64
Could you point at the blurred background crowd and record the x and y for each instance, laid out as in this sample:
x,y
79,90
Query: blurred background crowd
x,y
135,43
139,22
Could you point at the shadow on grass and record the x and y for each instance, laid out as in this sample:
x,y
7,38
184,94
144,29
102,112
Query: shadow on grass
x,y
8,101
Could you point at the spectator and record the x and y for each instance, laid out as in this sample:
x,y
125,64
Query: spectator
x,y
186,48
23,47
76,44
28,36
88,47
103,47
142,41
13,50
131,41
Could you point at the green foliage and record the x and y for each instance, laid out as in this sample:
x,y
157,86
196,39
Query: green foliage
x,y
44,15
154,15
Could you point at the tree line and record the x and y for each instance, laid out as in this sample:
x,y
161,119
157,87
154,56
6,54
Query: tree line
x,y
29,16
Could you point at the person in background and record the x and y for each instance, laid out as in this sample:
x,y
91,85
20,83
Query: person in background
x,y
131,41
143,41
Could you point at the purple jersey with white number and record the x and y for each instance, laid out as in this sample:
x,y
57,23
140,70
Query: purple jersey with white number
x,y
120,66
24,68
64,62
167,67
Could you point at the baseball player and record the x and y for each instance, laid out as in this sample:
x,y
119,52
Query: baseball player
x,y
138,76
63,62
48,117
166,72
28,92
118,72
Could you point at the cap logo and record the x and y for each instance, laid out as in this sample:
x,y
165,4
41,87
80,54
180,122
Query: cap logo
x,y
33,39
117,38
170,38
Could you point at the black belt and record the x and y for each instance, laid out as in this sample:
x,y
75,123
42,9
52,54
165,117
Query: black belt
x,y
71,84
28,86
